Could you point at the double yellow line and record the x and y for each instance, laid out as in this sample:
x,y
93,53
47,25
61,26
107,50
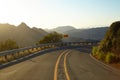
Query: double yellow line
x,y
65,66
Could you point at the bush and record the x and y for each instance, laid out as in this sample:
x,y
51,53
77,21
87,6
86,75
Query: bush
x,y
109,48
110,57
94,51
100,55
8,45
53,37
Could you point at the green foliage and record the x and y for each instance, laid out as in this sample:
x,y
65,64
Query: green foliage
x,y
51,38
94,51
97,53
8,45
111,42
109,48
110,57
100,55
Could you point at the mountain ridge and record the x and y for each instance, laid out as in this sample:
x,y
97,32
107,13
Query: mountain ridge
x,y
91,33
82,34
22,34
61,29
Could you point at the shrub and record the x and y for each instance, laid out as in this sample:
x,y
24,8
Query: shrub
x,y
100,55
8,45
110,57
94,51
53,37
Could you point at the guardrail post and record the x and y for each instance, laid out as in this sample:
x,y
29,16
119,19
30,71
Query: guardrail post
x,y
17,53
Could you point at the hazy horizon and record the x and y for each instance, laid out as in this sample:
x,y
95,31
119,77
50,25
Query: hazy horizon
x,y
54,13
56,26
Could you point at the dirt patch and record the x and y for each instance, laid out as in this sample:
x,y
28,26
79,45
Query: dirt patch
x,y
115,65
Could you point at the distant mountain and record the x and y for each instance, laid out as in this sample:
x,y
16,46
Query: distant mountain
x,y
81,34
92,33
61,29
22,34
23,26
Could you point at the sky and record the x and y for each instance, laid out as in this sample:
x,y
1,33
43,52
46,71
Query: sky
x,y
53,13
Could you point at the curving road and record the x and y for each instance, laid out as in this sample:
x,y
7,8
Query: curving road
x,y
70,64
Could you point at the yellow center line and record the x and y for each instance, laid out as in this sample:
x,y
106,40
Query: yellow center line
x,y
56,65
65,66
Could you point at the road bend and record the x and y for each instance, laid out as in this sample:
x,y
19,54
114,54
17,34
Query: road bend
x,y
61,72
70,64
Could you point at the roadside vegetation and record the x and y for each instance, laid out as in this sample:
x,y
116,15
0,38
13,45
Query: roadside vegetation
x,y
20,54
53,37
8,45
109,48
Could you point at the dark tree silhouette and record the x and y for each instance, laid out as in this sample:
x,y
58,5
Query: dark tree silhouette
x,y
53,37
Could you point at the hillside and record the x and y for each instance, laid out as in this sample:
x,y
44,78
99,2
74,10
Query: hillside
x,y
81,34
109,48
22,34
92,33
61,29
111,41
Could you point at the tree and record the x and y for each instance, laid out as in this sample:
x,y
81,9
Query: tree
x,y
53,37
8,45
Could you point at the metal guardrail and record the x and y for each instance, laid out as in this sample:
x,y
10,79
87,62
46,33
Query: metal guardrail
x,y
7,56
44,45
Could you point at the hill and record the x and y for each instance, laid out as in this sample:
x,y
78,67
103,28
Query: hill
x,y
81,34
109,48
92,33
61,29
111,41
22,34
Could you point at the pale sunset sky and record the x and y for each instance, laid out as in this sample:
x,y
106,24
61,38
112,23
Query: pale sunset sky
x,y
54,13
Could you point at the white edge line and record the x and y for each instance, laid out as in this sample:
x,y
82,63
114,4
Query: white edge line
x,y
106,66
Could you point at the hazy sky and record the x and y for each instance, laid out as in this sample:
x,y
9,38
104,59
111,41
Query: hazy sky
x,y
53,13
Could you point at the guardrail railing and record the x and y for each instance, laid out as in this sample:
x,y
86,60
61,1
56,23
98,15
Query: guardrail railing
x,y
10,55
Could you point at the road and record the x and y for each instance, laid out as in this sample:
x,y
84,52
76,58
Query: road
x,y
69,64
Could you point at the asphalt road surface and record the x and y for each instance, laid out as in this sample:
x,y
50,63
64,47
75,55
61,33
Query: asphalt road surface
x,y
69,64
